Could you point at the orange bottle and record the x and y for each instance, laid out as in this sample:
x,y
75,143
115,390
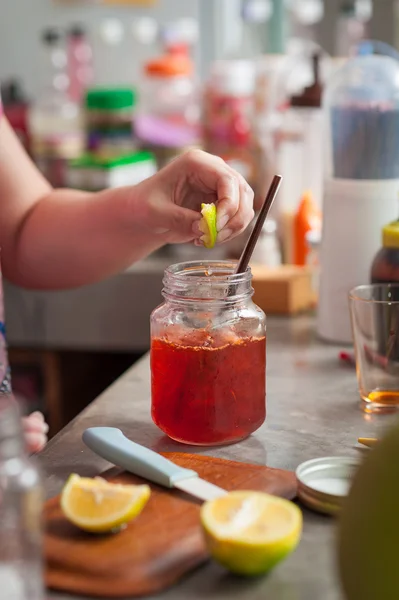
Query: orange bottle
x,y
307,218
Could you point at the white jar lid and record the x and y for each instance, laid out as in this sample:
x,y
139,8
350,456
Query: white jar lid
x,y
324,483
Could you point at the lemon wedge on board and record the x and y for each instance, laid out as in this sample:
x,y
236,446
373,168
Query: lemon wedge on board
x,y
250,532
208,225
98,506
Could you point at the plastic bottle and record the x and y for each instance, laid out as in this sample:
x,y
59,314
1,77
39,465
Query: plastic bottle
x,y
55,122
350,28
228,115
385,267
21,493
16,109
80,63
168,116
361,151
307,219
300,156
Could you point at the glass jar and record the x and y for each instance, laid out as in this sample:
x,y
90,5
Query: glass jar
x,y
21,496
208,355
54,121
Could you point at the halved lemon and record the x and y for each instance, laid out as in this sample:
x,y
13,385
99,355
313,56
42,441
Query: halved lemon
x,y
98,506
208,225
250,532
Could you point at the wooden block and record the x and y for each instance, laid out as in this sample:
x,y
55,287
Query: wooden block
x,y
285,290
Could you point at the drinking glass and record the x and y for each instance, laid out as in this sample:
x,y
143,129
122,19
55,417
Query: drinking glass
x,y
375,325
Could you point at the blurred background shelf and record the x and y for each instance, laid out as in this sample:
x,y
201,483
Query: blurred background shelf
x,y
66,346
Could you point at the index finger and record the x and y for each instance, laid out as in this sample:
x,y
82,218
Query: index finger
x,y
228,199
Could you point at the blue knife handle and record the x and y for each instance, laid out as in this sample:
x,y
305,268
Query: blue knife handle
x,y
111,444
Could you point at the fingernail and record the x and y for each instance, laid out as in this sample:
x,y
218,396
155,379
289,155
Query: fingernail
x,y
38,415
224,235
222,221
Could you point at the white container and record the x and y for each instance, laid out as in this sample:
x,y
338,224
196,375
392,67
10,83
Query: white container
x,y
168,115
361,106
267,250
354,213
93,174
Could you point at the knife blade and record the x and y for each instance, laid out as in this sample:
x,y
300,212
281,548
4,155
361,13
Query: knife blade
x,y
110,443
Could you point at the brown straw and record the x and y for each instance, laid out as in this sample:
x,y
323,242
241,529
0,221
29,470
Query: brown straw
x,y
253,238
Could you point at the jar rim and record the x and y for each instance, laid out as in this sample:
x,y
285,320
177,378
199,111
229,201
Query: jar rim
x,y
211,281
222,271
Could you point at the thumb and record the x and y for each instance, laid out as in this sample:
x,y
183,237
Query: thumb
x,y
179,224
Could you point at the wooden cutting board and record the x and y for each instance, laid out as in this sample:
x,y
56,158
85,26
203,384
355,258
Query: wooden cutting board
x,y
160,546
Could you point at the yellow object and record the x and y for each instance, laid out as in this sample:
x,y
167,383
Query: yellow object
x,y
390,235
208,225
368,526
369,442
250,532
98,506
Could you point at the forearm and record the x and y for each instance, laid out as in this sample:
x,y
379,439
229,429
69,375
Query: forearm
x,y
58,239
62,238
72,238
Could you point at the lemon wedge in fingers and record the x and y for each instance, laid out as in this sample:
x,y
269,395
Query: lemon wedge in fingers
x,y
208,225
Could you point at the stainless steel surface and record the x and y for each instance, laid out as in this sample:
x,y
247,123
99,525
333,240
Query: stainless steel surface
x,y
200,488
323,483
313,411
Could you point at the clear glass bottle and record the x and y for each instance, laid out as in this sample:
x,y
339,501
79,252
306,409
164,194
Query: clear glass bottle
x,y
55,121
208,355
80,63
21,501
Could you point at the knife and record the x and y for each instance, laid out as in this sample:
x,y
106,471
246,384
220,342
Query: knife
x,y
110,443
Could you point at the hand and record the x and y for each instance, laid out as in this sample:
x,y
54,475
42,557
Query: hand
x,y
35,431
175,194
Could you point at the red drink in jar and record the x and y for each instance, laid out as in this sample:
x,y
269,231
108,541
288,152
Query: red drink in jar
x,y
208,383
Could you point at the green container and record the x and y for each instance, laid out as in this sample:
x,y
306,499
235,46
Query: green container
x,y
109,120
111,99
